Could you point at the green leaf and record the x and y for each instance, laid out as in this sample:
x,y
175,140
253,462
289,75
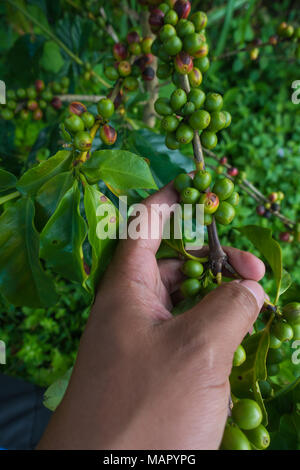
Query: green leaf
x,y
270,249
7,180
51,193
34,178
63,236
120,169
102,248
22,279
226,26
51,60
55,393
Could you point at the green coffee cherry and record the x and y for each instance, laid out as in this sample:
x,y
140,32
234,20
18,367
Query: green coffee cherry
x,y
130,83
171,18
74,123
184,134
273,369
234,439
283,331
247,414
190,287
173,45
111,73
195,78
275,343
21,93
202,180
228,118
190,195
164,7
197,97
200,20
171,141
275,356
106,108
291,313
82,141
187,109
266,389
213,102
88,119
207,219
199,120
166,32
192,43
209,139
217,122
184,27
178,99
225,214
223,187
296,329
192,269
239,356
202,64
259,437
233,199
170,123
162,107
182,181
7,114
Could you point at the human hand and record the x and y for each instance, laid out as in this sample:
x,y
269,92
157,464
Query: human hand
x,y
146,380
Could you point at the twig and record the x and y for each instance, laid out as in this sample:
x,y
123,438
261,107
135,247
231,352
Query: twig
x,y
109,28
246,48
149,115
87,98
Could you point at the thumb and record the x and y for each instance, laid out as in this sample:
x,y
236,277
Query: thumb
x,y
224,317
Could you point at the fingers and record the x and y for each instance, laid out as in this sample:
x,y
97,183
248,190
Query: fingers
x,y
171,274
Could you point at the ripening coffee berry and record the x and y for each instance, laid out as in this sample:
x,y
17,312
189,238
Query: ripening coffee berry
x,y
273,40
213,102
202,64
239,356
217,121
170,123
77,108
192,43
39,85
285,237
182,8
56,103
192,269
146,45
233,199
199,120
156,20
200,20
197,97
74,123
106,108
124,68
88,119
178,99
166,32
261,210
162,107
209,139
37,114
171,18
184,134
133,37
202,180
148,74
171,141
32,105
254,53
291,313
259,437
234,439
232,171
223,187
223,160
183,63
247,414
202,52
119,51
173,45
135,48
210,201
195,78
187,109
108,134
283,331
225,214
189,195
82,141
184,27
164,71
190,287
182,181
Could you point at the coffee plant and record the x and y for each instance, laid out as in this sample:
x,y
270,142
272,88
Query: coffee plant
x,y
126,100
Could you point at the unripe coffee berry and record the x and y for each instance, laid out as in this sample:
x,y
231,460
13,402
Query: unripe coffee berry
x,y
183,63
210,201
182,181
202,180
213,102
88,119
171,18
170,123
199,120
74,123
233,199
182,8
173,45
223,187
184,134
283,331
162,107
124,68
291,313
209,140
164,7
166,32
217,122
188,109
225,214
195,78
146,45
106,108
82,141
199,19
190,195
164,71
228,118
247,414
197,97
190,287
192,43
192,269
108,134
178,99
239,356
171,141
130,83
184,27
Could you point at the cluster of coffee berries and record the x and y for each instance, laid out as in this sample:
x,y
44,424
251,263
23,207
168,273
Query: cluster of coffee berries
x,y
182,49
106,109
272,206
31,102
131,60
291,234
289,32
244,430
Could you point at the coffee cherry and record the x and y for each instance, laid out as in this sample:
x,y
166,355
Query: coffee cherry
x,y
184,27
286,237
261,210
283,331
197,97
24,114
273,197
219,170
189,195
239,356
192,269
234,439
7,114
233,172
209,140
11,104
171,18
178,99
200,20
182,181
247,414
182,8
135,48
275,356
170,123
163,71
190,287
184,134
42,104
223,160
146,45
225,213
207,219
78,108
228,119
202,64
37,114
202,52
210,201
82,141
39,85
280,195
291,313
289,31
187,109
124,68
47,95
21,93
162,107
217,122
164,7
105,108
74,123
183,63
233,199
259,437
65,82
148,74
173,45
108,134
213,102
202,180
296,329
266,389
195,78
223,187
163,56
156,20
166,32
119,51
32,105
171,141
130,83
88,119
31,93
273,40
11,95
199,120
56,87
275,343
272,370
192,43
133,37
254,53
56,103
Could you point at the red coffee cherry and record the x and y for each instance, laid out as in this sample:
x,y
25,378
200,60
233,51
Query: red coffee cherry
x,y
108,134
32,105
233,171
182,8
183,63
119,51
133,37
148,74
223,160
39,85
77,108
156,20
286,237
261,210
56,103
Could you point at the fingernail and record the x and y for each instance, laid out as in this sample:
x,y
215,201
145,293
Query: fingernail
x,y
256,290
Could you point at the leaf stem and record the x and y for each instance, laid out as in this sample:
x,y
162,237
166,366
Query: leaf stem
x,y
9,197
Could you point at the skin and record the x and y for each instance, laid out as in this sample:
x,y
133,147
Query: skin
x,y
146,380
